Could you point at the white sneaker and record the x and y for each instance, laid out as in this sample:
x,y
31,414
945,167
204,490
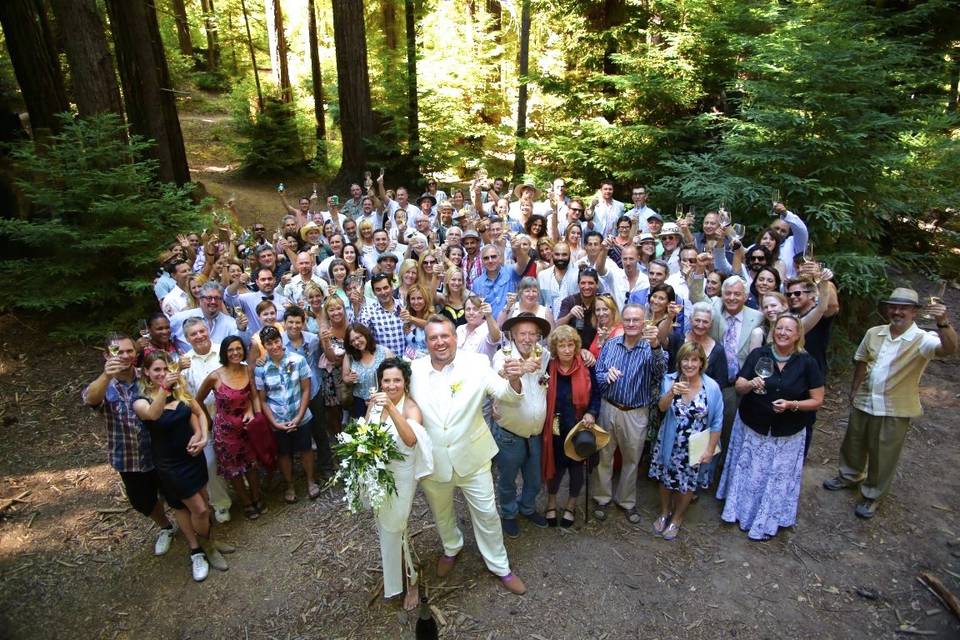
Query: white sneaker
x,y
200,567
221,515
162,545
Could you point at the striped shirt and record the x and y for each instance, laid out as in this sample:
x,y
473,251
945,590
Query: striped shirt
x,y
639,367
128,443
894,367
282,385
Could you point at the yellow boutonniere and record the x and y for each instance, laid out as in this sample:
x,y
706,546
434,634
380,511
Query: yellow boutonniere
x,y
455,387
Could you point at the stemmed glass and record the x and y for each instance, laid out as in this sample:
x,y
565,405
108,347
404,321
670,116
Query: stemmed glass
x,y
173,362
764,369
724,216
114,349
507,345
937,299
678,212
144,329
808,255
738,232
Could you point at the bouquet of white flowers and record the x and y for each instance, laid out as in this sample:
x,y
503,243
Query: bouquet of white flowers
x,y
365,449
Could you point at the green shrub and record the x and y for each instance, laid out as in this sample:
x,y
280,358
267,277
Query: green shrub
x,y
215,81
87,250
271,145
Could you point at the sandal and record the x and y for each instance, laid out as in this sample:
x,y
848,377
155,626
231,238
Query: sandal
x,y
671,531
262,508
632,516
313,491
551,520
659,525
566,522
290,496
251,512
600,511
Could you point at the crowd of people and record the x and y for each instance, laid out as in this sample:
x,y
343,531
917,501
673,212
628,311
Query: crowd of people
x,y
501,335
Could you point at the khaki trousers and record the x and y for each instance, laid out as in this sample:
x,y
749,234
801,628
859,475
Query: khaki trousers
x,y
628,432
871,450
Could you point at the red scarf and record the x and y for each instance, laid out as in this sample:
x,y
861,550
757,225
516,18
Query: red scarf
x,y
580,382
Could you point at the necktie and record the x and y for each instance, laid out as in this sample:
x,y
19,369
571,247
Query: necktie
x,y
270,298
731,346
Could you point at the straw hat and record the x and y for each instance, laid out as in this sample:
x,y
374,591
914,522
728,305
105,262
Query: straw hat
x,y
526,185
310,226
903,295
584,440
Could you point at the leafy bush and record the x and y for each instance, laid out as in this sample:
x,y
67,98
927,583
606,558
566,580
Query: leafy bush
x,y
215,81
99,217
272,144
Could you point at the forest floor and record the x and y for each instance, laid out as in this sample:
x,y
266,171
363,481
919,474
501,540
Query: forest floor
x,y
76,561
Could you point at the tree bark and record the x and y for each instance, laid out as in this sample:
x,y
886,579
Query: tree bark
x,y
278,49
91,63
147,92
253,56
413,107
519,159
317,79
38,72
353,87
388,10
183,27
213,39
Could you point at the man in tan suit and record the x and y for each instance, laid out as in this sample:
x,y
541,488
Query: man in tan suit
x,y
450,387
733,322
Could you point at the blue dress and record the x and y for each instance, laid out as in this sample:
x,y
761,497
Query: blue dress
x,y
678,475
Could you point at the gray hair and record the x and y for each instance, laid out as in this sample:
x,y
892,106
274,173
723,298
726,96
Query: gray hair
x,y
189,323
660,263
633,305
211,285
528,282
733,281
702,307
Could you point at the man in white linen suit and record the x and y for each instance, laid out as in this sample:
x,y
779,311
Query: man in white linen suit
x,y
450,387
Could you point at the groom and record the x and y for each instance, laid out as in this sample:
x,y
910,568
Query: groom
x,y
450,387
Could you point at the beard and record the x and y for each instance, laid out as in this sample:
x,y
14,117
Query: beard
x,y
563,263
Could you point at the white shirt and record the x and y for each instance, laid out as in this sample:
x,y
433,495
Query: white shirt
x,y
554,292
200,367
174,302
605,215
621,288
525,419
295,290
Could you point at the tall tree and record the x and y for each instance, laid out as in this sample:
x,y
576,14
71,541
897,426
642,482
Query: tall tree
x,y
413,109
183,27
278,49
37,69
91,63
519,158
317,79
213,38
388,11
353,87
253,56
147,91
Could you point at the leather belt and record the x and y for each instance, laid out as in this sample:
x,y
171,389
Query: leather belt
x,y
622,407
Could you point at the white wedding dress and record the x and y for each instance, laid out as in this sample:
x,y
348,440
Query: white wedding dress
x,y
393,514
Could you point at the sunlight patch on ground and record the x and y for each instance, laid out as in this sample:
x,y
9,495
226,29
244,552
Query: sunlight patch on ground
x,y
213,169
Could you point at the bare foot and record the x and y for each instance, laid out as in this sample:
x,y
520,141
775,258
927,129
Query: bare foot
x,y
412,599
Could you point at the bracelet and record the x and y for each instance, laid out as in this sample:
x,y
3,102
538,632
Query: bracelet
x,y
796,405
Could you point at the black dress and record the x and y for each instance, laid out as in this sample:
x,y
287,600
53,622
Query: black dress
x,y
181,475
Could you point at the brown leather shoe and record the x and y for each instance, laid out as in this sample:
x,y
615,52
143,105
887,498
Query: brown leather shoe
x,y
513,584
445,565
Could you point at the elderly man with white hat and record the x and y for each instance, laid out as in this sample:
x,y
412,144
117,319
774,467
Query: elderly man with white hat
x,y
884,394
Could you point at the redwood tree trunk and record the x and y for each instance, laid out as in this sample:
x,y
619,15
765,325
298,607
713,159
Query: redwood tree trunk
x,y
519,159
253,56
95,82
38,72
317,79
353,88
151,107
278,40
183,27
413,108
388,10
213,40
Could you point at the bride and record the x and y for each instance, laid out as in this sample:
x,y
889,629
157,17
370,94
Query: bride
x,y
393,407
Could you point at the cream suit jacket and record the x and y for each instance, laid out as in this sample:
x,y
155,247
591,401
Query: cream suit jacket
x,y
750,320
451,401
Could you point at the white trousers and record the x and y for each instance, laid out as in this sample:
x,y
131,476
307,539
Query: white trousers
x,y
216,486
628,431
477,489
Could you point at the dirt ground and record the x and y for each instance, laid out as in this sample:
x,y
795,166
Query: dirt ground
x,y
76,561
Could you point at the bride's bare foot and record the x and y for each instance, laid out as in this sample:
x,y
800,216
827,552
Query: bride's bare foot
x,y
412,599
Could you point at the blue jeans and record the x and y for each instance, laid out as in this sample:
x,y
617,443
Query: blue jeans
x,y
517,455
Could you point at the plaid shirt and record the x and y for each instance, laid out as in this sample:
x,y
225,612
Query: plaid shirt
x,y
282,384
386,326
128,442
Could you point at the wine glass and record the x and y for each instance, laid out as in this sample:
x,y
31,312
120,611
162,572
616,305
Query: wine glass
x,y
764,369
808,255
936,299
775,197
507,346
144,329
738,231
691,215
173,363
678,212
114,349
367,180
724,216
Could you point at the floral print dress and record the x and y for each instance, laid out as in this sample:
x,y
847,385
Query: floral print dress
x,y
691,418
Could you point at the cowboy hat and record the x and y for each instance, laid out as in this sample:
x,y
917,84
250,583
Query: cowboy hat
x,y
670,229
310,226
903,295
526,185
525,316
584,440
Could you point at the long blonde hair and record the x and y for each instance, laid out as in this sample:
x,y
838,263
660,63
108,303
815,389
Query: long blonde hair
x,y
146,387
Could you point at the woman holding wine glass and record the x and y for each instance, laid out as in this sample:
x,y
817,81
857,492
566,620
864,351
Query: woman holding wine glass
x,y
692,402
763,472
360,364
333,337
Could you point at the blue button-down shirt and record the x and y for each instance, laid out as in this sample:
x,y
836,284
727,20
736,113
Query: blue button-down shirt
x,y
282,384
494,290
249,301
310,350
639,367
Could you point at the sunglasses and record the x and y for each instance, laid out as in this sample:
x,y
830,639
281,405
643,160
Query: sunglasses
x,y
797,294
575,210
757,259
